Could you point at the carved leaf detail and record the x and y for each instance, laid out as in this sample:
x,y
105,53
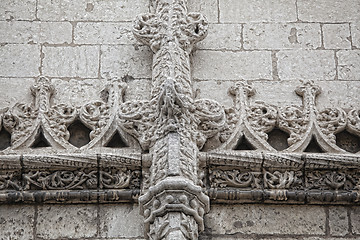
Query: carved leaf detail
x,y
19,121
59,180
262,118
331,121
95,115
234,178
295,121
59,117
119,179
281,180
232,118
354,121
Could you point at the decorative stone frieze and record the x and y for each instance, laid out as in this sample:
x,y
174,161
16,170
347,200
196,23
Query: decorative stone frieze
x,y
152,151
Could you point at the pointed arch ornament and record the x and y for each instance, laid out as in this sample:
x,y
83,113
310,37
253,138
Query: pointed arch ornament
x,y
161,163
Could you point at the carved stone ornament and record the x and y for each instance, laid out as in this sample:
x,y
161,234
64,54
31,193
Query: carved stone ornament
x,y
161,158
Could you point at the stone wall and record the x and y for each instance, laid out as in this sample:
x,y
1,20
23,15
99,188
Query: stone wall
x,y
122,221
273,44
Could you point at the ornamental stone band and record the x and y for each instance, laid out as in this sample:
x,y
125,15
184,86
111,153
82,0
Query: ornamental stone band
x,y
171,151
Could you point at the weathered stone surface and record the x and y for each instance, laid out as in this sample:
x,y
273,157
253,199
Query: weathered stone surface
x,y
355,220
282,36
129,225
208,8
14,90
277,93
104,33
216,65
138,89
337,36
17,9
234,11
77,92
35,32
230,37
328,11
349,65
306,64
322,238
111,10
19,60
215,90
266,219
80,61
355,34
333,94
119,61
16,222
71,221
338,221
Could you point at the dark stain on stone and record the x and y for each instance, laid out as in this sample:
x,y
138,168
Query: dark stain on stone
x,y
89,7
250,223
293,36
238,224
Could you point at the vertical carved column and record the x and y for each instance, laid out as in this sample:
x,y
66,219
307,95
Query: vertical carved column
x,y
174,204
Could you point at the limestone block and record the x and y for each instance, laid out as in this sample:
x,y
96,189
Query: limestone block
x,y
119,61
334,94
355,220
17,9
138,89
222,36
215,90
328,11
266,219
208,8
19,60
279,93
35,32
235,11
80,61
282,36
337,36
339,94
338,221
349,64
77,92
216,65
15,90
66,221
306,64
355,34
98,10
120,220
104,33
16,222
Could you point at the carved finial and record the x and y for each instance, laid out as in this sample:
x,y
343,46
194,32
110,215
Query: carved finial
x,y
42,91
170,24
